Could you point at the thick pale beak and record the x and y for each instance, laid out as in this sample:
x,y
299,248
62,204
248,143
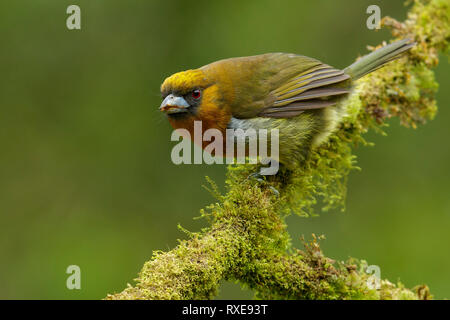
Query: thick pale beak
x,y
174,104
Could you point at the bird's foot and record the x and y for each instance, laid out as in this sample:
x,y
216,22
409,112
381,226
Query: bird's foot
x,y
262,179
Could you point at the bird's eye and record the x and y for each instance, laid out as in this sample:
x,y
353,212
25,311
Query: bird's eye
x,y
196,94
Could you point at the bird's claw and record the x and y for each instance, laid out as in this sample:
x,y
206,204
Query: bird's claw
x,y
256,176
274,191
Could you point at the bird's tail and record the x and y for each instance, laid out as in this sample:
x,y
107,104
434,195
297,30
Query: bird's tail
x,y
378,58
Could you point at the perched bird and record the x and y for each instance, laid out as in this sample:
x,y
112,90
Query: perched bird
x,y
301,97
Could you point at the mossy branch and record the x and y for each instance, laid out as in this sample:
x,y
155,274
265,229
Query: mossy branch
x,y
247,238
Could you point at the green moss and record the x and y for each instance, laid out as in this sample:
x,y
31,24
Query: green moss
x,y
247,240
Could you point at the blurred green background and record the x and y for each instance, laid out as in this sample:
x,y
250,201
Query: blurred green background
x,y
85,170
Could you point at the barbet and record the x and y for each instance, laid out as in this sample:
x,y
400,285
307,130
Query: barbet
x,y
300,96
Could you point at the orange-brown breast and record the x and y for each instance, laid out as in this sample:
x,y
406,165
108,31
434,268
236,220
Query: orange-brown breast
x,y
212,113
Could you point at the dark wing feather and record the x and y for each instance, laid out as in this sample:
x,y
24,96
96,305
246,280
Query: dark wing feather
x,y
295,108
321,86
318,93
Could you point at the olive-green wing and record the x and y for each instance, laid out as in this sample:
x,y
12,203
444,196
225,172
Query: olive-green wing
x,y
322,86
278,85
318,87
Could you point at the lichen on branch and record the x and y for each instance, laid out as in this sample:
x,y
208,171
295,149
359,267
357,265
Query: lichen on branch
x,y
247,240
